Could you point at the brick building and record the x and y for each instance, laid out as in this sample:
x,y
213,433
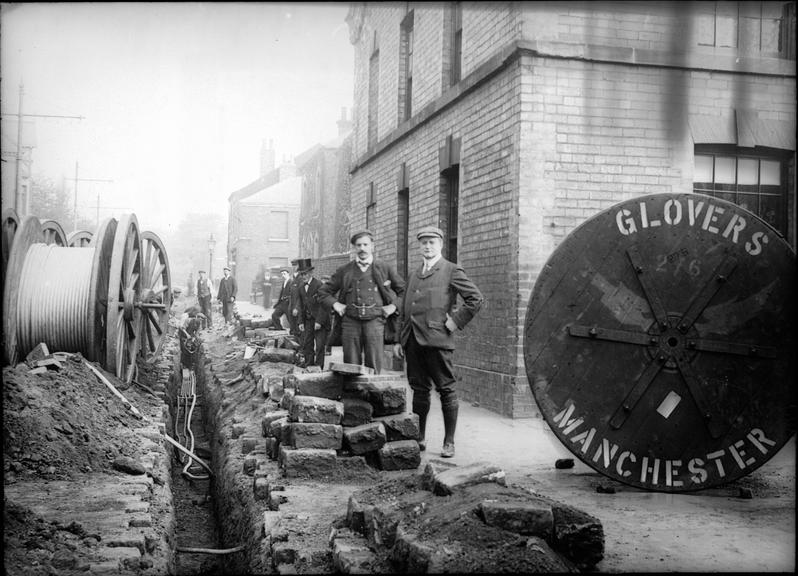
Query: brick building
x,y
509,124
263,224
324,214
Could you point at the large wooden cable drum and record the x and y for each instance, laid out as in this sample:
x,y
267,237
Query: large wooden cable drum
x,y
55,294
89,293
660,341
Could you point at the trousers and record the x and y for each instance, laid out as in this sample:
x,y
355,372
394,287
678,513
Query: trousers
x,y
362,341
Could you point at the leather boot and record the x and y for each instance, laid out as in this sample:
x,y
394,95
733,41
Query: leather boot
x,y
421,404
449,407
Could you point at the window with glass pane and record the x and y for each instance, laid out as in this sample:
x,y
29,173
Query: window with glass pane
x,y
747,177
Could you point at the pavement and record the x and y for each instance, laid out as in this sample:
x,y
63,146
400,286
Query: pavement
x,y
711,530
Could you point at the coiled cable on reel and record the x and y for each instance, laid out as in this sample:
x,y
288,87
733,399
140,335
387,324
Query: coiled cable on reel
x,y
54,298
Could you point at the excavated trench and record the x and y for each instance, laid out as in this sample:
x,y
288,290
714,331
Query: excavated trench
x,y
262,512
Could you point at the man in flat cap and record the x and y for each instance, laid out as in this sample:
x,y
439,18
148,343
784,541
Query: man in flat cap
x,y
204,297
364,293
428,321
227,294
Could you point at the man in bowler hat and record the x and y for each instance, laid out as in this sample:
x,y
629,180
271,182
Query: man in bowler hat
x,y
428,321
315,316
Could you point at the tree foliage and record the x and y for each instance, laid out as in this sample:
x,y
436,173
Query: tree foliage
x,y
49,201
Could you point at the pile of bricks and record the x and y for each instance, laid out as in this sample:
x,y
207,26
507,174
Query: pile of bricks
x,y
322,419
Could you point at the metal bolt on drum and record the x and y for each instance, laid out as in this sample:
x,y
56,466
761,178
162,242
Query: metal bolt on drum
x,y
660,341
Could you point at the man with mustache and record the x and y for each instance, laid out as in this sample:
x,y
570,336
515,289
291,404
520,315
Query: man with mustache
x,y
363,293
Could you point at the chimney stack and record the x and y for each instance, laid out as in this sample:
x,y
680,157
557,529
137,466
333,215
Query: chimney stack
x,y
344,125
266,157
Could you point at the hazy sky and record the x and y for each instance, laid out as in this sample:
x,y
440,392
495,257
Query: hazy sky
x,y
177,98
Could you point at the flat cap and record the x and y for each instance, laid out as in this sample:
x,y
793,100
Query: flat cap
x,y
202,271
430,231
360,234
226,268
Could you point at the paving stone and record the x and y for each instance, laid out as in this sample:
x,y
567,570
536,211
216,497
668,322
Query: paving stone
x,y
276,427
248,444
356,411
308,462
238,430
381,521
402,426
272,448
312,409
271,520
365,438
277,355
283,553
315,435
533,517
409,555
118,553
320,384
274,387
39,352
348,368
260,488
386,393
399,455
266,421
355,515
448,481
577,535
250,464
352,556
287,400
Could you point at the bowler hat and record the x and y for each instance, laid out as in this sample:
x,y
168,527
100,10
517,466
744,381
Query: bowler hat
x,y
304,265
359,234
430,232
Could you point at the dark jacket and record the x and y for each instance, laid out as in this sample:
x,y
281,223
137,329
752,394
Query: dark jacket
x,y
310,308
340,286
430,297
227,289
285,291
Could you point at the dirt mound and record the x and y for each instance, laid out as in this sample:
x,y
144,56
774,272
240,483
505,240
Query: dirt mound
x,y
65,422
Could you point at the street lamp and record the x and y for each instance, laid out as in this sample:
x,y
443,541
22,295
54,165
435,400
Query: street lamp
x,y
211,246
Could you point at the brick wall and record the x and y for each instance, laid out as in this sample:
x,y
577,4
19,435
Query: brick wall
x,y
560,116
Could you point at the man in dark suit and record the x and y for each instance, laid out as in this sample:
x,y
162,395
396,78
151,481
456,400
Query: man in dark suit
x,y
315,316
227,294
293,302
363,292
283,305
428,320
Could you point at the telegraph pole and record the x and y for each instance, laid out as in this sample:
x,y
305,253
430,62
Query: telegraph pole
x,y
76,180
20,116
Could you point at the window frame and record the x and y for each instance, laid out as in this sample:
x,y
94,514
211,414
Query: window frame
x,y
732,191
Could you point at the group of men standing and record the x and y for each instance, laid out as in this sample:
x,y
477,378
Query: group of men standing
x,y
226,294
366,294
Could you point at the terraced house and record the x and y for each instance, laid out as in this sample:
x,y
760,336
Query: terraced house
x,y
509,124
